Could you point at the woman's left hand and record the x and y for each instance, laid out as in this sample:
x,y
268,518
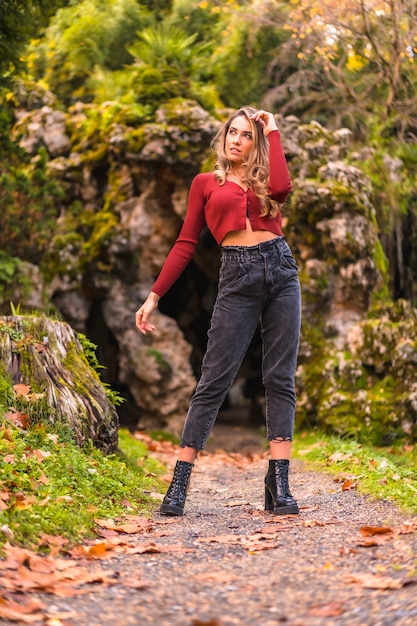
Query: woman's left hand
x,y
267,120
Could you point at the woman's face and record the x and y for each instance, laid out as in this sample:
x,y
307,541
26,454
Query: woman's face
x,y
239,140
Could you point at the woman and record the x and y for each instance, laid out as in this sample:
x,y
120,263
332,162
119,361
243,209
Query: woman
x,y
258,281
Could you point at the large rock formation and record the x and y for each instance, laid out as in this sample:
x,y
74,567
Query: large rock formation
x,y
127,183
126,197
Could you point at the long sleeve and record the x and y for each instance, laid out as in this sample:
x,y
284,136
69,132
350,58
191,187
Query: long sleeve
x,y
185,244
279,178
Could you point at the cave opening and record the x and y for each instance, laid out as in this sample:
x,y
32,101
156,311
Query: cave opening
x,y
107,353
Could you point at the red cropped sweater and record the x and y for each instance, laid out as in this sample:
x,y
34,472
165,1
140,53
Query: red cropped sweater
x,y
224,208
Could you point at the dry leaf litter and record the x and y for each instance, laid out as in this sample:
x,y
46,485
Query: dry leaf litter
x,y
344,561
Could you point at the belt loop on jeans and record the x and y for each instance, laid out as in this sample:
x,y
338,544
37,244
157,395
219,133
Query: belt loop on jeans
x,y
247,253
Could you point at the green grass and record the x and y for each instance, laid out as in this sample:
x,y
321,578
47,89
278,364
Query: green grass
x,y
50,486
382,473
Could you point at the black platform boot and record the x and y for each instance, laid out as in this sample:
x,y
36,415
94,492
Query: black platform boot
x,y
278,497
173,503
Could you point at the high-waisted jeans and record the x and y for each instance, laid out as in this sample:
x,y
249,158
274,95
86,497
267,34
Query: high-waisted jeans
x,y
256,284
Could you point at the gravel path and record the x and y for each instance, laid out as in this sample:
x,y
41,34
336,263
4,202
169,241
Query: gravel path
x,y
227,562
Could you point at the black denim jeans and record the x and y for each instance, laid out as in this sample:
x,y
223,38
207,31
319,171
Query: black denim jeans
x,y
256,284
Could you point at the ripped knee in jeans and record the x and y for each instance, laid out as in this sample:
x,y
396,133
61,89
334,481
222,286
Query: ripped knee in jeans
x,y
281,439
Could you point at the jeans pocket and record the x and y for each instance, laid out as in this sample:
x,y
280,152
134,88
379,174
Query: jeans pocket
x,y
230,272
289,261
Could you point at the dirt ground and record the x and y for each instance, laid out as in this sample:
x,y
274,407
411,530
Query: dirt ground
x,y
344,561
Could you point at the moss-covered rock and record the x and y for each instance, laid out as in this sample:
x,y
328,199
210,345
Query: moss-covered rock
x,y
368,389
53,381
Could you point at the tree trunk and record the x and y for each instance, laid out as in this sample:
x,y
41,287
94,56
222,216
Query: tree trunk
x,y
47,356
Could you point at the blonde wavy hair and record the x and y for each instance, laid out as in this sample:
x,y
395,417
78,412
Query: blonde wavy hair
x,y
256,166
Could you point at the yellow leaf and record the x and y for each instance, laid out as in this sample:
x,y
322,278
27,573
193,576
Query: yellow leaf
x,y
354,62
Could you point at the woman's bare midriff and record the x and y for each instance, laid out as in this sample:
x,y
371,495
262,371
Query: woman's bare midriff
x,y
247,237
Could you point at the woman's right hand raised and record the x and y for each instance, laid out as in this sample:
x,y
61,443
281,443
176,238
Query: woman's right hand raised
x,y
143,314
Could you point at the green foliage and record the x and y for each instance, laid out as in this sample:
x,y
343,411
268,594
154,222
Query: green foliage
x,y
81,38
116,86
15,310
11,279
90,132
169,64
29,205
164,46
20,19
243,39
81,244
382,293
90,38
367,391
28,408
89,349
203,19
53,487
164,368
242,59
8,267
387,473
8,148
390,165
7,395
90,353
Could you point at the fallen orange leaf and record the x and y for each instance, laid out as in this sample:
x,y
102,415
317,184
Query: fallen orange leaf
x,y
141,525
55,543
27,613
40,454
369,542
374,530
339,456
407,528
374,581
43,564
253,543
349,484
21,390
18,418
96,551
332,609
7,433
253,547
